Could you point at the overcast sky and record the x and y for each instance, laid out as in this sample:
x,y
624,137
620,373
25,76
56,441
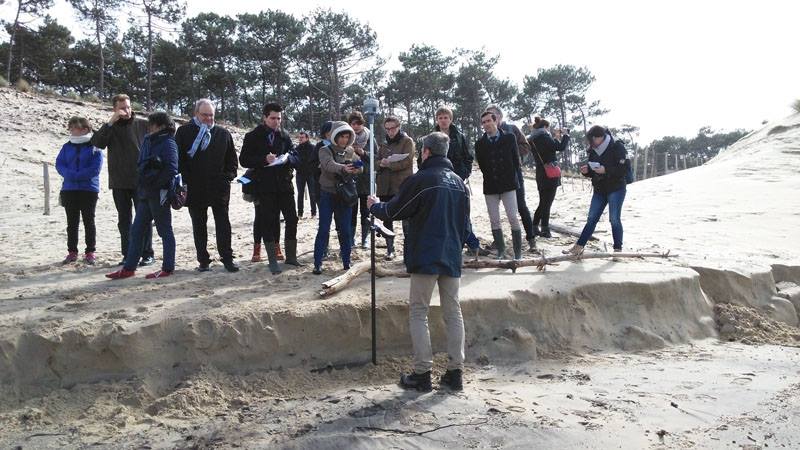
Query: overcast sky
x,y
668,67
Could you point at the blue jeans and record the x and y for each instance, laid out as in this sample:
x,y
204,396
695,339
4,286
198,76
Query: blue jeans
x,y
302,181
614,201
329,209
472,240
148,210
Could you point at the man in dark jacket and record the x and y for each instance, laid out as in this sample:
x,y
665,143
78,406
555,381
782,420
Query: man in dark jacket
x,y
268,149
123,135
523,148
208,163
498,159
435,203
462,158
306,173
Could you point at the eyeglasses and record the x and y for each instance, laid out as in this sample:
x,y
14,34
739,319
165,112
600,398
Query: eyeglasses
x,y
207,114
390,128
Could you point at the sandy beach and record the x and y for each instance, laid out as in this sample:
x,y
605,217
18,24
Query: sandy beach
x,y
699,350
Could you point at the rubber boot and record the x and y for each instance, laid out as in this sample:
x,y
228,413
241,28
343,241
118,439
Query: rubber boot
x,y
291,253
256,253
499,243
272,258
278,253
516,239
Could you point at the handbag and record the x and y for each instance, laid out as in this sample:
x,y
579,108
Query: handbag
x,y
551,170
179,193
346,189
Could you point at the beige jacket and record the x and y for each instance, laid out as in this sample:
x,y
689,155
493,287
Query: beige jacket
x,y
332,163
389,179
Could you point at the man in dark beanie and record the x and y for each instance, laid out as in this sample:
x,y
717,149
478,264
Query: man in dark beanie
x,y
435,203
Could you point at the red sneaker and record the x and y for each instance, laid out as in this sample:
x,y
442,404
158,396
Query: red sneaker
x,y
158,274
89,258
122,273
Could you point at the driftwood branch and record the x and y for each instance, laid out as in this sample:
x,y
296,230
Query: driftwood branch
x,y
570,231
543,261
339,283
342,281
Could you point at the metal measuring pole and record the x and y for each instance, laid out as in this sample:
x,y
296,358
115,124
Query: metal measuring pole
x,y
371,110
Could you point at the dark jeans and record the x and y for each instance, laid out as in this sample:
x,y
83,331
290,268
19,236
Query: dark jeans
x,y
522,207
222,223
147,211
362,204
542,214
272,205
472,240
614,201
303,181
329,209
77,204
126,201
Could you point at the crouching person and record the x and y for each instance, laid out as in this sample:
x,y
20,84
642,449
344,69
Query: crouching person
x,y
436,204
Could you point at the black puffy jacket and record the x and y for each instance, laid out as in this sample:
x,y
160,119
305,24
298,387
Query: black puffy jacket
x,y
544,149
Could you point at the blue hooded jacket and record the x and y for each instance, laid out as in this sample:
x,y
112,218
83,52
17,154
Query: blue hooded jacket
x,y
80,166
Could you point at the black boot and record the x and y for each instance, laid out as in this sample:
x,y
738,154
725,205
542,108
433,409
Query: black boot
x,y
291,253
545,233
452,380
418,381
499,243
272,258
516,241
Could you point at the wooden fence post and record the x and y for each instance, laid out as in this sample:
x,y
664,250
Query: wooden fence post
x,y
46,173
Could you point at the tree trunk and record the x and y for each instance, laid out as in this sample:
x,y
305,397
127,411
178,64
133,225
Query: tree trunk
x,y
101,91
11,43
644,166
149,104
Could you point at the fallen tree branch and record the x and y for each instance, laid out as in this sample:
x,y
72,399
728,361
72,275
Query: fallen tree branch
x,y
543,261
337,284
570,231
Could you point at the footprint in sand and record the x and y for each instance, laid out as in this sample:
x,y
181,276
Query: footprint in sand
x,y
741,380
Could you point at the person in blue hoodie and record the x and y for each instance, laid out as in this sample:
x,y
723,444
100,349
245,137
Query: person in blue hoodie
x,y
79,163
158,166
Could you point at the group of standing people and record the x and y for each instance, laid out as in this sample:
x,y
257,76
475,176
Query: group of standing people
x,y
433,204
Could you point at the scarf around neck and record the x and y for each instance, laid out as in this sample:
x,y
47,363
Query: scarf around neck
x,y
202,139
396,138
602,147
81,139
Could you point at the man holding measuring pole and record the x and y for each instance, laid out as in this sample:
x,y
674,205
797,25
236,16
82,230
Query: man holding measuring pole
x,y
435,203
